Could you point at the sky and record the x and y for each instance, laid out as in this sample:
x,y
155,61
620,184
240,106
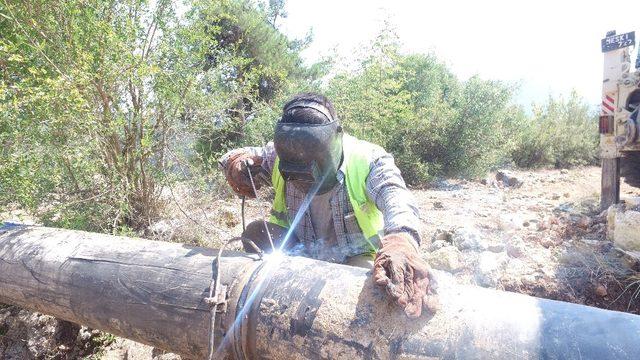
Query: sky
x,y
548,47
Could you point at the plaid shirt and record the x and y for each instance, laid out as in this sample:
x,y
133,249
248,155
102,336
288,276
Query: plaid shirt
x,y
385,186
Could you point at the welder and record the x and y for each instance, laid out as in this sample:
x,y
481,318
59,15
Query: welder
x,y
337,198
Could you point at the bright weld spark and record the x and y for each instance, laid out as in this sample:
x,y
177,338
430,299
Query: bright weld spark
x,y
276,256
270,261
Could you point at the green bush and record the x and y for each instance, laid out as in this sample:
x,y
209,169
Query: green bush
x,y
253,65
99,112
433,123
561,133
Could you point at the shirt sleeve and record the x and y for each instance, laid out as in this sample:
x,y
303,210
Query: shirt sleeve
x,y
387,189
268,153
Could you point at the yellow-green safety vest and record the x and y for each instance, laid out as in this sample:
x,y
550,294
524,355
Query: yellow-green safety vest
x,y
357,170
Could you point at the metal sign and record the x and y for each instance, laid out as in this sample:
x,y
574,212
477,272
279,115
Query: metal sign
x,y
618,41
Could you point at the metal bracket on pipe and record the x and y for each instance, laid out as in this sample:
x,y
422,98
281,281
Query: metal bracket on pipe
x,y
219,298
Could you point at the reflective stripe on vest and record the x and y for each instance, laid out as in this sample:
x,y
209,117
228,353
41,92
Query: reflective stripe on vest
x,y
357,170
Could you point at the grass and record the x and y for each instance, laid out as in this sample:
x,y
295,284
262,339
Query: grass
x,y
634,287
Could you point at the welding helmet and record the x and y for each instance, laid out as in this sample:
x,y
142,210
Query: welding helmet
x,y
310,154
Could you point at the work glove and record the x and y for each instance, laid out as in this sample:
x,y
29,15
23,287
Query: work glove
x,y
237,172
399,268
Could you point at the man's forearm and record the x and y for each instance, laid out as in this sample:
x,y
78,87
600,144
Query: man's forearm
x,y
400,213
389,191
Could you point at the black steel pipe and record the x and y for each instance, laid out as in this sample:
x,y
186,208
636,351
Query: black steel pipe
x,y
286,307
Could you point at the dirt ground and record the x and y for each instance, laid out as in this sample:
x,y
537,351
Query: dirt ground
x,y
546,237
542,235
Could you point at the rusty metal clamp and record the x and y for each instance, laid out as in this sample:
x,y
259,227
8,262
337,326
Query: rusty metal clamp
x,y
217,297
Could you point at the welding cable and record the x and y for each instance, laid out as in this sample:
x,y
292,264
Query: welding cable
x,y
255,193
244,224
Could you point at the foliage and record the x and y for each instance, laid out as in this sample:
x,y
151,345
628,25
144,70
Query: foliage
x,y
433,123
103,104
103,339
102,101
87,91
561,133
256,66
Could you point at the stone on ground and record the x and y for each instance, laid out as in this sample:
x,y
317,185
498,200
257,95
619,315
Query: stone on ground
x,y
446,258
468,238
623,228
508,179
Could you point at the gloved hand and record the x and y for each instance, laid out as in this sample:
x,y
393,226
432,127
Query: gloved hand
x,y
399,268
237,175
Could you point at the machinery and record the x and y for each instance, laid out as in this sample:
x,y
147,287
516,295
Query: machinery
x,y
619,130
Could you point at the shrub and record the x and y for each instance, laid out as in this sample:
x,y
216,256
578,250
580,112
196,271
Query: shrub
x,y
434,124
561,133
103,102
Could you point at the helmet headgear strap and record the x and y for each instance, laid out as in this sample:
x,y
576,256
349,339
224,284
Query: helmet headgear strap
x,y
311,105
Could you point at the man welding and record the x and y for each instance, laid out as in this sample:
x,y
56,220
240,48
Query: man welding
x,y
337,199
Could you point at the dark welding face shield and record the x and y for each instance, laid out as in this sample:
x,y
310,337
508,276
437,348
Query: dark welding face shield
x,y
310,154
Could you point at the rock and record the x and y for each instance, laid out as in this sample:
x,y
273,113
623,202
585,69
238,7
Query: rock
x,y
515,268
441,234
515,248
611,219
564,171
165,356
600,290
508,179
555,196
488,268
127,349
468,238
116,351
162,230
529,280
543,225
496,248
584,222
446,258
229,217
438,205
437,244
84,334
623,227
632,203
592,242
138,351
510,222
571,258
533,238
